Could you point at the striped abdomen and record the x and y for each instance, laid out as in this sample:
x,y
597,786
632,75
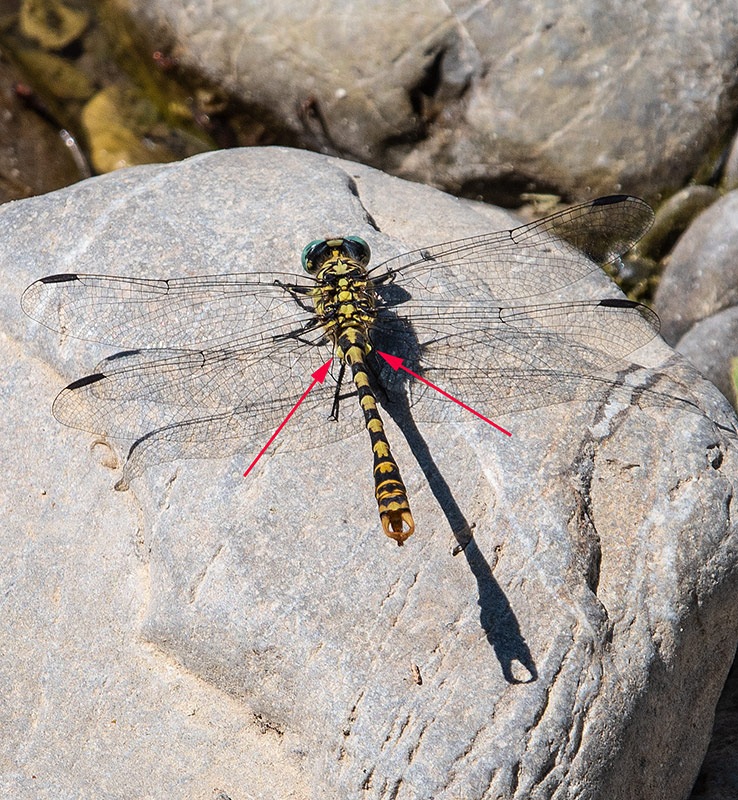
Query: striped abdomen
x,y
389,489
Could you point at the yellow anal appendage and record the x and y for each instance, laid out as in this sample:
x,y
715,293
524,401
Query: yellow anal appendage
x,y
398,525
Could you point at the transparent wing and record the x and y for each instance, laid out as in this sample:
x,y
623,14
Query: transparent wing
x,y
534,259
502,360
176,312
136,392
233,353
513,358
237,431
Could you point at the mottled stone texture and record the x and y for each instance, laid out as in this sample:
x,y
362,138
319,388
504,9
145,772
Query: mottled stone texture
x,y
206,634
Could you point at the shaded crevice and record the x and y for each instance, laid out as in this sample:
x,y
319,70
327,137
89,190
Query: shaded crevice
x,y
506,190
728,502
715,456
587,535
412,752
428,85
267,726
354,189
427,98
366,784
515,773
200,576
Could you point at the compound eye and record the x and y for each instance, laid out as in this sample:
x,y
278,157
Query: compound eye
x,y
359,249
308,255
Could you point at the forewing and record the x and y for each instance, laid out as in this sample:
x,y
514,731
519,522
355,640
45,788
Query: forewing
x,y
534,259
177,312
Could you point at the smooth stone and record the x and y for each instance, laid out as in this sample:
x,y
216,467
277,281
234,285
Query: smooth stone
x,y
701,278
203,633
489,100
711,346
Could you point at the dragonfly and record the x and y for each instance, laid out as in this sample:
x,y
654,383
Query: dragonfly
x,y
213,363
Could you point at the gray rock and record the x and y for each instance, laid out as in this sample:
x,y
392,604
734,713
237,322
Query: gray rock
x,y
672,218
496,99
701,278
203,634
711,345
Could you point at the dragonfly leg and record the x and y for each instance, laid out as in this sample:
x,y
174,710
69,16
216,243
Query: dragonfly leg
x,y
337,397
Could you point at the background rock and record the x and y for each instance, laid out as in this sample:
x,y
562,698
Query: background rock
x,y
698,292
264,636
709,345
494,100
701,277
718,778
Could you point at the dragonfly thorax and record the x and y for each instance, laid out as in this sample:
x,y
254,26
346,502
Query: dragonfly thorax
x,y
343,295
346,311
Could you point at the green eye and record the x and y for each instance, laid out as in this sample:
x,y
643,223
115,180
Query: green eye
x,y
353,247
308,254
358,248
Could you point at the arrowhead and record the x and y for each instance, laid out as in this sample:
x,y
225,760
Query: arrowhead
x,y
393,361
320,374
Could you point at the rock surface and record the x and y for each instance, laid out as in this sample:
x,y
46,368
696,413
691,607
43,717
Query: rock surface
x,y
697,301
701,277
262,637
718,778
711,345
580,98
697,296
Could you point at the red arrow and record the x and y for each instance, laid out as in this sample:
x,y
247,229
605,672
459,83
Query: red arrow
x,y
318,377
396,363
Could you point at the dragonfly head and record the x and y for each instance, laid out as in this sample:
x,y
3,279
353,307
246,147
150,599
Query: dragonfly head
x,y
352,248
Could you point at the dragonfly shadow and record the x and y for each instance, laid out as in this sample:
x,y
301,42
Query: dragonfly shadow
x,y
496,616
498,620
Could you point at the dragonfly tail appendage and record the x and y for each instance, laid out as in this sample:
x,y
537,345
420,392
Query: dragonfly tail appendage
x,y
394,509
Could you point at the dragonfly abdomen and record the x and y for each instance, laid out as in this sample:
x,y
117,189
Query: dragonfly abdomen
x,y
389,488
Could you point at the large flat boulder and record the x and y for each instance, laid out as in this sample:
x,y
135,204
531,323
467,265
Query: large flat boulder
x,y
206,633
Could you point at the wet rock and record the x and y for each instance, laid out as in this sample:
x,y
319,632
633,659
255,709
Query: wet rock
x,y
33,156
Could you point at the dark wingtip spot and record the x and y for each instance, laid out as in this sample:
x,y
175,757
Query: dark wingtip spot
x,y
619,302
123,354
86,381
64,277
